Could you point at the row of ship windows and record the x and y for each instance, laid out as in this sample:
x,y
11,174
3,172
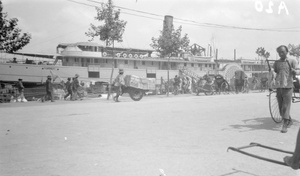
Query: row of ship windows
x,y
143,62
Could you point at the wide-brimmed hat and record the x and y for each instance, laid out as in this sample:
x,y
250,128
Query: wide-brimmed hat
x,y
20,79
49,76
76,75
121,70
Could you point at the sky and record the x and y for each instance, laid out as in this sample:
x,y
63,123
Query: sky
x,y
51,22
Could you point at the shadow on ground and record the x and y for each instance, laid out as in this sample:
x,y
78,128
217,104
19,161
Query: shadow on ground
x,y
260,123
237,172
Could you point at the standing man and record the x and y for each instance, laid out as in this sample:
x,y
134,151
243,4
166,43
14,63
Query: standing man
x,y
68,88
21,90
14,60
75,87
284,68
49,89
118,83
176,85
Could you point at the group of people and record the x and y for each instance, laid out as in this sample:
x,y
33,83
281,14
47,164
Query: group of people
x,y
284,71
182,84
70,87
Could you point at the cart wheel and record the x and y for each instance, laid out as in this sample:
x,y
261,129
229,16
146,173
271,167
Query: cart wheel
x,y
208,89
273,107
136,94
225,88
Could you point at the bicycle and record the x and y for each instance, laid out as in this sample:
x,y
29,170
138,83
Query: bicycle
x,y
204,86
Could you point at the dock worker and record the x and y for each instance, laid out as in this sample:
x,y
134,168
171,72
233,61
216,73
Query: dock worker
x,y
14,60
49,89
285,68
75,86
68,89
176,84
21,90
118,83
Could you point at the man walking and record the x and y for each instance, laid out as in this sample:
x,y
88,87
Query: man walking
x,y
49,89
68,88
285,68
75,85
118,83
176,85
21,90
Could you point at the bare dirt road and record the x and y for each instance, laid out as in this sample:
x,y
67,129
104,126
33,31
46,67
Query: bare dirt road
x,y
183,135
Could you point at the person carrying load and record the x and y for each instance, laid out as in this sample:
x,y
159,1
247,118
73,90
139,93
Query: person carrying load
x,y
118,83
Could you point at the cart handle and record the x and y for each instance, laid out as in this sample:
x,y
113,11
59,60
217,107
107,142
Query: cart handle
x,y
256,156
253,144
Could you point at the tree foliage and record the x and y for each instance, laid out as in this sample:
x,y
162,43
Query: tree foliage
x,y
261,52
11,39
294,50
170,43
112,27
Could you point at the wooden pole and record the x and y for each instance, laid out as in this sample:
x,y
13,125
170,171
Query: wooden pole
x,y
112,71
168,89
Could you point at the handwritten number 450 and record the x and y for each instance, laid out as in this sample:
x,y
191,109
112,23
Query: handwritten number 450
x,y
260,7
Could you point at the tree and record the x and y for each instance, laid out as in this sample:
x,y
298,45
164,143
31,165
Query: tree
x,y
169,43
11,39
110,31
261,52
294,50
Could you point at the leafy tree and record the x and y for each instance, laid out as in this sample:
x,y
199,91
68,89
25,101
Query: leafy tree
x,y
294,50
261,52
170,43
110,31
11,39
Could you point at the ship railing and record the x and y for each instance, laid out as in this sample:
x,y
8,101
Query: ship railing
x,y
21,59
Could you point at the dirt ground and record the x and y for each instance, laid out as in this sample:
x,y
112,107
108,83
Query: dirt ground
x,y
183,135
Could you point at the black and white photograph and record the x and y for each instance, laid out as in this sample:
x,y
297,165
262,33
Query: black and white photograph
x,y
149,88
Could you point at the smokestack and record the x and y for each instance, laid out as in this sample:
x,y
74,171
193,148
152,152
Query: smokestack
x,y
234,54
168,25
208,50
216,54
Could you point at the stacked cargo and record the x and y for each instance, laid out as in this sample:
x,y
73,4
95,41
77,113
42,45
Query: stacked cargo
x,y
140,83
7,92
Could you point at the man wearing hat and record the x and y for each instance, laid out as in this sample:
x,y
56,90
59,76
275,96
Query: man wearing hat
x,y
21,90
49,89
118,83
75,86
68,88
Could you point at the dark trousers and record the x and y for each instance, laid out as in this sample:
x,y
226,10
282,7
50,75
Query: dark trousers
x,y
68,94
284,99
74,94
118,91
49,95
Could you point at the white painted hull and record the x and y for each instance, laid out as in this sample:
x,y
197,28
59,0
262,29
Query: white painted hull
x,y
38,73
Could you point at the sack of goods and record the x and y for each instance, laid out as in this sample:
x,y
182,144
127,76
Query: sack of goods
x,y
140,83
